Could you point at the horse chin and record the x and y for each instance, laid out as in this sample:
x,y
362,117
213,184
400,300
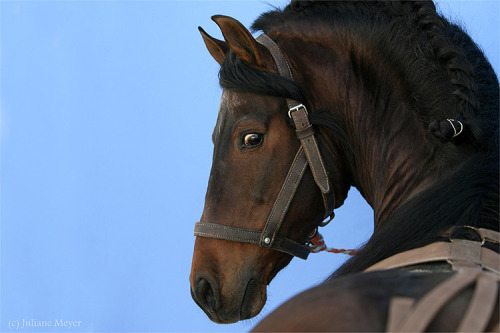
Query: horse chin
x,y
253,300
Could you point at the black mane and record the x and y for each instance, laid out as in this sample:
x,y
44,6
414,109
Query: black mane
x,y
449,77
469,196
237,75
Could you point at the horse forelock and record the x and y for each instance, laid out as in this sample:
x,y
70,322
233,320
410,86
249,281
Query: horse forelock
x,y
237,75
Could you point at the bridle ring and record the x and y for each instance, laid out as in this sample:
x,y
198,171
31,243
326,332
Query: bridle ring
x,y
455,133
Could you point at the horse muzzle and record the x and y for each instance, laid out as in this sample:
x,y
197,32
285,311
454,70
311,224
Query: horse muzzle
x,y
243,301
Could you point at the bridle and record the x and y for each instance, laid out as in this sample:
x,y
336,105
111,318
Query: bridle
x,y
307,155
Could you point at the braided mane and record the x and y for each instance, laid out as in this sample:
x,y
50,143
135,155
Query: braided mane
x,y
425,46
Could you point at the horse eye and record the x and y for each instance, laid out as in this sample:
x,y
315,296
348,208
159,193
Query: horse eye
x,y
252,140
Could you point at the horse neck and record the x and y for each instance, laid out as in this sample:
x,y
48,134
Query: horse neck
x,y
392,159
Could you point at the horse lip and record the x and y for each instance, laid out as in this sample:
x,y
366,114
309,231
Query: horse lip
x,y
251,290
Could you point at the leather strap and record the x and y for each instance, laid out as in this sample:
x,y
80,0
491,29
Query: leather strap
x,y
399,309
311,148
268,237
250,236
406,316
489,235
304,129
426,309
486,235
282,203
220,231
305,133
280,61
440,251
481,306
466,257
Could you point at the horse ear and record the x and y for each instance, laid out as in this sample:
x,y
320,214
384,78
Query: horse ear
x,y
217,48
239,39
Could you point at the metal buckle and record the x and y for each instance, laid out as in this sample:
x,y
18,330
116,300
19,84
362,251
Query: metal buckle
x,y
465,231
330,218
296,108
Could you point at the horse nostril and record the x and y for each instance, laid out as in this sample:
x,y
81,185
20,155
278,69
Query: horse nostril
x,y
205,294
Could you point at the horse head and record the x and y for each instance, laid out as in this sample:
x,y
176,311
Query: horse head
x,y
254,147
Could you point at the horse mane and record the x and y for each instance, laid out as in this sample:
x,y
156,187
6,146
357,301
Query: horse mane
x,y
460,84
236,75
468,196
420,43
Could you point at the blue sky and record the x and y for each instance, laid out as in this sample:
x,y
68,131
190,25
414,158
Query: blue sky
x,y
107,110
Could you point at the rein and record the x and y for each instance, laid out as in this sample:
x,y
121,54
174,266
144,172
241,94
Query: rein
x,y
307,155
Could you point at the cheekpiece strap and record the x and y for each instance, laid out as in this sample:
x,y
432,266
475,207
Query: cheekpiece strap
x,y
304,129
285,197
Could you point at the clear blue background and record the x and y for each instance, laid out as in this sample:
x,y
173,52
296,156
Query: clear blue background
x,y
107,109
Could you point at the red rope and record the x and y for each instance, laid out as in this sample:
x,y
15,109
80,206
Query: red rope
x,y
317,244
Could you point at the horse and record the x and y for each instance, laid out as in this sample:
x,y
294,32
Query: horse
x,y
388,97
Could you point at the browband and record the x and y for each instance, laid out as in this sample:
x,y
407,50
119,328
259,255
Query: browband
x,y
308,154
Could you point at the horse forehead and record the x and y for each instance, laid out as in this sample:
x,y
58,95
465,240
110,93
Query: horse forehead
x,y
233,101
240,104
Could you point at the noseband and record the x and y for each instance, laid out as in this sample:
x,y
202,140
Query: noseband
x,y
308,154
